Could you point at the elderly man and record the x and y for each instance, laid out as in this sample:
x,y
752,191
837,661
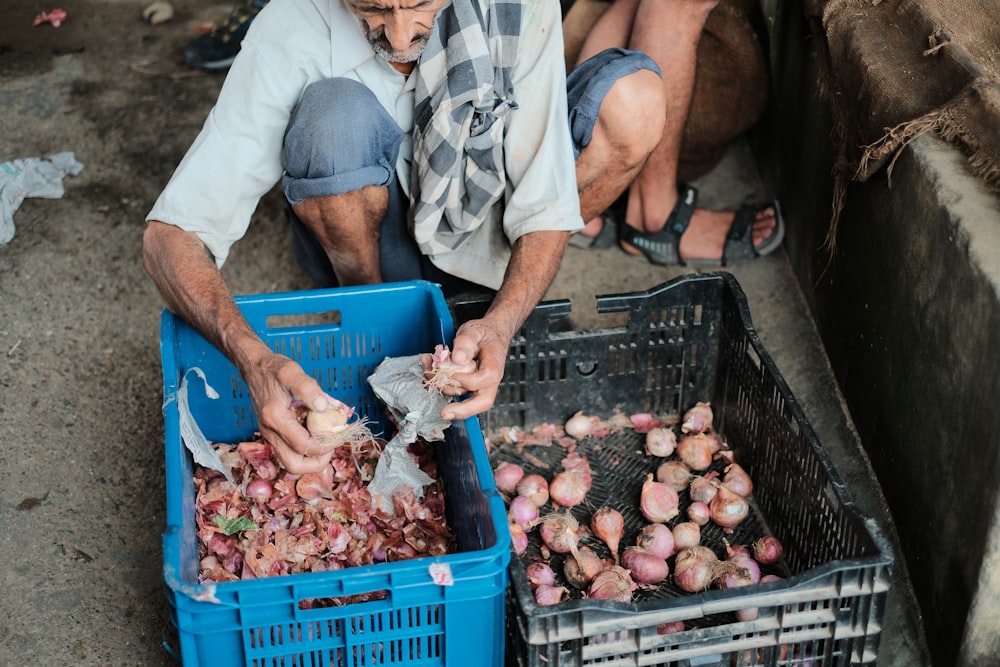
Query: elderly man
x,y
414,139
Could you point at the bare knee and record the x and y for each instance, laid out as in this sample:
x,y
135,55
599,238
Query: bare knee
x,y
632,115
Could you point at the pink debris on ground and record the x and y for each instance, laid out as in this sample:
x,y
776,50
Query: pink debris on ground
x,y
55,17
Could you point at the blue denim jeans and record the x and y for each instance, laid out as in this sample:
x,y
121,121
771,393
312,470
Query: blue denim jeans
x,y
340,139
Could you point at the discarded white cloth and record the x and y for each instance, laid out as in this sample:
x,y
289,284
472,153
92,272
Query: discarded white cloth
x,y
31,177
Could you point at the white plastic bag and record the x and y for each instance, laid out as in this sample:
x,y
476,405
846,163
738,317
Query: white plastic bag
x,y
31,177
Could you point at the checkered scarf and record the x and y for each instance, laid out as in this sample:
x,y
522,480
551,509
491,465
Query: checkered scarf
x,y
463,88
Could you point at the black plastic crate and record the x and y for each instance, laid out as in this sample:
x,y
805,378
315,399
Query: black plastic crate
x,y
685,341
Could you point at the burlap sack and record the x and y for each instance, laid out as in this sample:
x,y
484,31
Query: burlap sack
x,y
731,82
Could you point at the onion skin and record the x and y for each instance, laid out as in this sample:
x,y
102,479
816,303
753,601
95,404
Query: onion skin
x,y
657,539
608,525
658,501
580,425
644,566
559,532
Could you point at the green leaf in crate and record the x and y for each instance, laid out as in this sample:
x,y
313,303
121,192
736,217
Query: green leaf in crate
x,y
232,526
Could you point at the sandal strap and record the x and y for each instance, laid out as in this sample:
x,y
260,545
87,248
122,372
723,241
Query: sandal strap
x,y
663,247
739,240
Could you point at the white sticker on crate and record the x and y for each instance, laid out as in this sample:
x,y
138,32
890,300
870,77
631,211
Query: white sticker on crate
x,y
441,574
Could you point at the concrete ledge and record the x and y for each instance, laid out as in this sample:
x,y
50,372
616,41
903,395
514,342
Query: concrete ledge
x,y
909,312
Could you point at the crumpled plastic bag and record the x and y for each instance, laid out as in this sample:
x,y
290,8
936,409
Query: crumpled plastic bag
x,y
399,383
31,177
397,468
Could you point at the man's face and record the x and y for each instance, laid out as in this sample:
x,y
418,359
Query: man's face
x,y
398,30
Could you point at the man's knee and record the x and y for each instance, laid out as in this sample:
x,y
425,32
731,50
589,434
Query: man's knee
x,y
633,113
339,139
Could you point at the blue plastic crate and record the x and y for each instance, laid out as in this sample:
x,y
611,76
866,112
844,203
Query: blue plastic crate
x,y
339,336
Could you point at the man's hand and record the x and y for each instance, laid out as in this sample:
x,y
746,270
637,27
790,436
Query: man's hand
x,y
274,383
484,342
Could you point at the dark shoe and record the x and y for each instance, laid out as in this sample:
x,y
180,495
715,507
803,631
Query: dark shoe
x,y
663,247
215,51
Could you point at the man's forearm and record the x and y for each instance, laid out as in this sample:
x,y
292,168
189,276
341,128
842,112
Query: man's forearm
x,y
193,288
533,266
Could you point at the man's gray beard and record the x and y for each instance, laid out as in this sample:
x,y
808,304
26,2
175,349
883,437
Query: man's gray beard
x,y
390,57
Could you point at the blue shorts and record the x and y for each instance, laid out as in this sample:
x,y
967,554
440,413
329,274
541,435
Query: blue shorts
x,y
343,113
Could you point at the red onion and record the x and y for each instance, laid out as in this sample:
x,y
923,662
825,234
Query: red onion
x,y
674,473
259,489
660,442
518,539
696,451
534,487
560,532
507,475
693,568
670,628
439,368
749,565
581,568
540,574
656,538
735,550
768,578
567,489
768,550
703,489
644,566
698,419
613,584
699,513
737,480
658,501
523,512
546,595
728,509
580,425
686,534
607,524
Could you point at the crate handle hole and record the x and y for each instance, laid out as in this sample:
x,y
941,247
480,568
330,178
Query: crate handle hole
x,y
586,368
327,317
306,604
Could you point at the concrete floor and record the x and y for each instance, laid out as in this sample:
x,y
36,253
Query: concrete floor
x,y
82,491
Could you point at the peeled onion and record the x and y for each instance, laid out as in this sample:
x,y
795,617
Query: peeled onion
x,y
547,594
560,532
613,584
540,574
703,489
699,513
522,511
580,425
